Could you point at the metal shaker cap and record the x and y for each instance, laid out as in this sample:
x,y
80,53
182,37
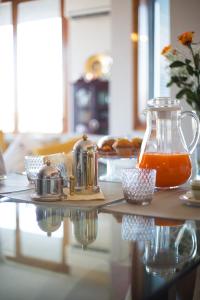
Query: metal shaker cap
x,y
48,171
84,144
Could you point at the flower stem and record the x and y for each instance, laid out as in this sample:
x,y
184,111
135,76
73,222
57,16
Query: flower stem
x,y
196,66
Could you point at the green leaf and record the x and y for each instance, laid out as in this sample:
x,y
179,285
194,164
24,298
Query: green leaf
x,y
190,70
187,61
196,73
196,59
189,101
198,92
169,83
177,64
183,78
190,94
180,94
175,79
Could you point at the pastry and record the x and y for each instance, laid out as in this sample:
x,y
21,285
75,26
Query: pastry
x,y
123,147
108,142
136,145
106,148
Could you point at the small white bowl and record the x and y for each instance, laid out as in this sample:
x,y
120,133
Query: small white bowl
x,y
195,188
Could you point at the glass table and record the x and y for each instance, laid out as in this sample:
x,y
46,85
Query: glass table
x,y
52,252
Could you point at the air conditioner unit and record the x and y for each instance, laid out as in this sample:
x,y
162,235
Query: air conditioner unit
x,y
85,8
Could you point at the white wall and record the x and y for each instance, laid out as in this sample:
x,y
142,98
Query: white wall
x,y
87,36
105,34
185,16
121,105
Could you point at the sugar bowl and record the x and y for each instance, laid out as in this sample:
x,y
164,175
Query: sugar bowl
x,y
49,183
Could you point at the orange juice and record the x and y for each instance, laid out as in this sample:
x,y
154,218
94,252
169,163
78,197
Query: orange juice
x,y
172,169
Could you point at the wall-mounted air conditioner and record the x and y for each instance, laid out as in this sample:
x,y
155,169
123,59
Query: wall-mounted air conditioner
x,y
86,8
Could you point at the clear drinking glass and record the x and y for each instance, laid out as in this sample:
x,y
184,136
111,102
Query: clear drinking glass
x,y
138,185
33,164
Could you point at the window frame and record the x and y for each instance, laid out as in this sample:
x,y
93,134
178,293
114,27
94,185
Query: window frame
x,y
137,123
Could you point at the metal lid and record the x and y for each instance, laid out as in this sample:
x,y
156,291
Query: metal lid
x,y
83,145
48,171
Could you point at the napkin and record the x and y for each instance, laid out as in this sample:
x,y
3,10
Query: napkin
x,y
82,197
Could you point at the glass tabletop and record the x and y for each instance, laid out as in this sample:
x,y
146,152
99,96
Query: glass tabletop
x,y
68,253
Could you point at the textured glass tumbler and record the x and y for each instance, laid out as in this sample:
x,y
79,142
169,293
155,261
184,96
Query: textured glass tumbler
x,y
33,164
138,185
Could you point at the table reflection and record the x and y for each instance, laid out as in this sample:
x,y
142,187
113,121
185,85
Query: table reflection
x,y
113,255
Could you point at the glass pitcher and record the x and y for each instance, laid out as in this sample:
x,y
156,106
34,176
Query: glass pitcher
x,y
164,147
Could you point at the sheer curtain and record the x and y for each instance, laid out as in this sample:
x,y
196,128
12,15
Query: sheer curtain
x,y
6,69
39,66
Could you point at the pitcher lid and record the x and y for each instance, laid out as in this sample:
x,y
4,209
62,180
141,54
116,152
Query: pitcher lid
x,y
163,103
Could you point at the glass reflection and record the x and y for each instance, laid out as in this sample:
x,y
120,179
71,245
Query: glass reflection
x,y
167,245
171,247
137,228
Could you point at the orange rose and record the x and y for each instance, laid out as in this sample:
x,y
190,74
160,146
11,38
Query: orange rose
x,y
166,49
186,38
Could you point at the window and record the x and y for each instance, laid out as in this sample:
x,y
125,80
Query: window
x,y
151,34
6,70
161,39
40,98
32,92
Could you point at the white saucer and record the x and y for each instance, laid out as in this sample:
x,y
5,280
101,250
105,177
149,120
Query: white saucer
x,y
189,200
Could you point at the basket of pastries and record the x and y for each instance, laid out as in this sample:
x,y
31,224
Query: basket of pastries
x,y
119,147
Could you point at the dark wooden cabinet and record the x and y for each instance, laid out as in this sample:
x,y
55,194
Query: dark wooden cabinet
x,y
91,101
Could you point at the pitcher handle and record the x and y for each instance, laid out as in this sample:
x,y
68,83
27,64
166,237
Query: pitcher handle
x,y
189,227
194,142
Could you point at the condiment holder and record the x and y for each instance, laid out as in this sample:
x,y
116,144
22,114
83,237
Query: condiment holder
x,y
49,184
84,179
